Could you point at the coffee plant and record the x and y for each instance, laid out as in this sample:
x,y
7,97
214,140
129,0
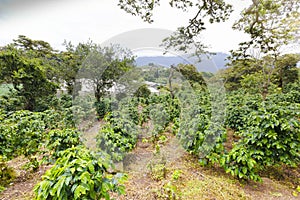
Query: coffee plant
x,y
131,107
62,118
160,119
144,115
21,133
60,140
118,135
7,174
239,105
79,174
271,137
201,137
103,107
292,92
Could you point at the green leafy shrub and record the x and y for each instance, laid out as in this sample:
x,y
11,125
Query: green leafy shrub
x,y
144,115
158,171
21,133
191,132
271,138
199,135
84,108
10,103
160,118
117,136
32,165
242,163
55,119
157,167
173,109
129,107
7,174
142,92
237,117
78,174
176,174
167,192
102,107
292,92
60,140
166,103
239,105
24,132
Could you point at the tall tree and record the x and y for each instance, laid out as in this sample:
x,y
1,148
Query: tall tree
x,y
104,66
185,37
39,49
253,73
27,75
71,62
286,70
234,74
271,24
190,73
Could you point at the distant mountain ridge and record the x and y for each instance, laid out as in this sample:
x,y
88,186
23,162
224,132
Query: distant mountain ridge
x,y
217,61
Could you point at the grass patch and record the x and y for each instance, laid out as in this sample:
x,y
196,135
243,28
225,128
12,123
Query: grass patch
x,y
212,187
284,174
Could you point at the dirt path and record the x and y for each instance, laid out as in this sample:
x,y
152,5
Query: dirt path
x,y
22,187
89,136
136,164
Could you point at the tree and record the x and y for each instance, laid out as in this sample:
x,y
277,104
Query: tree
x,y
27,75
38,48
143,91
286,70
71,63
190,73
258,75
104,66
41,50
69,67
184,38
30,66
234,74
270,23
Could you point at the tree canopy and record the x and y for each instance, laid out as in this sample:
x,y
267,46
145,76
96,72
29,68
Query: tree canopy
x,y
104,66
269,23
27,65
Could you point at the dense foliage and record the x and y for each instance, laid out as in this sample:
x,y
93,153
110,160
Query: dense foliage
x,y
269,133
60,140
261,112
78,174
27,65
21,133
118,135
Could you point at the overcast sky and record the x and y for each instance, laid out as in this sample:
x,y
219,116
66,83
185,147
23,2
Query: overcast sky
x,y
78,20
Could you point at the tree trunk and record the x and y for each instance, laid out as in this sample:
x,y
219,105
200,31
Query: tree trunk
x,y
170,81
97,95
30,104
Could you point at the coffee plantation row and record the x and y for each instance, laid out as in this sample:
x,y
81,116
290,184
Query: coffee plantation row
x,y
242,119
268,133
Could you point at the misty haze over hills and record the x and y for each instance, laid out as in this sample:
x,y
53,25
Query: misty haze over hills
x,y
216,62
